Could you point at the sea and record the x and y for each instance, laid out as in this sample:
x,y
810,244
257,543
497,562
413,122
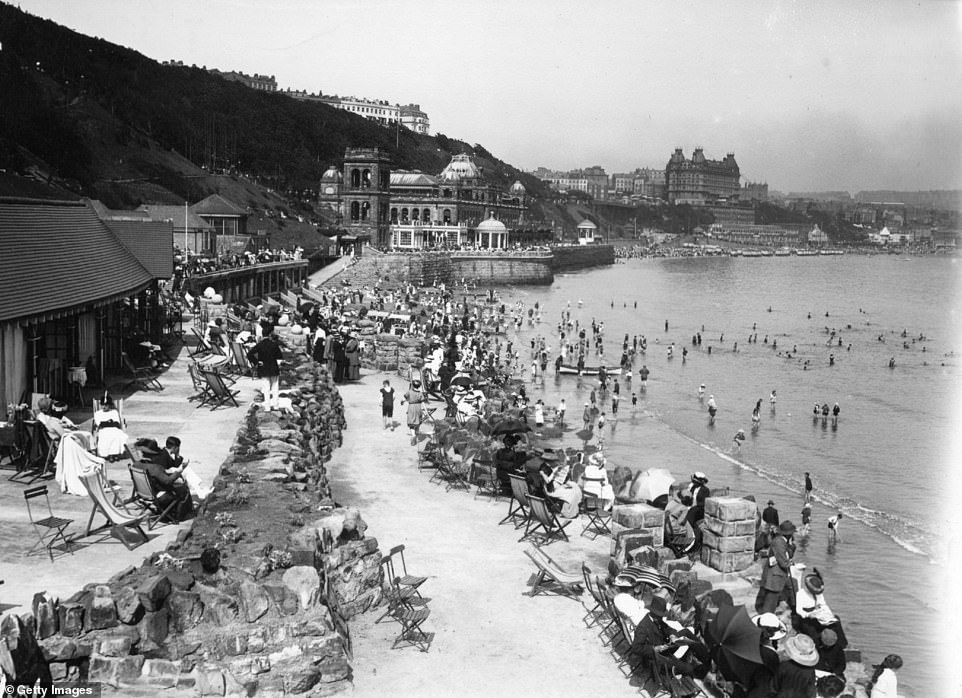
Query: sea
x,y
885,465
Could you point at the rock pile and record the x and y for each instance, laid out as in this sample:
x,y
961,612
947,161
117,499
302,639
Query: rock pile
x,y
252,601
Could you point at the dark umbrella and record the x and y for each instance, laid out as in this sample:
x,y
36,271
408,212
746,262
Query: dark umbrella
x,y
462,379
735,641
510,426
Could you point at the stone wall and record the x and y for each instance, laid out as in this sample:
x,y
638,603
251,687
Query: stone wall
x,y
502,268
251,601
728,542
570,258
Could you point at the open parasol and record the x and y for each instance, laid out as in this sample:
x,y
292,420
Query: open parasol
x,y
735,642
650,484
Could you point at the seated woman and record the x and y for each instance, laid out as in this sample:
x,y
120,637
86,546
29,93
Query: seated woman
x,y
557,487
107,426
814,614
594,481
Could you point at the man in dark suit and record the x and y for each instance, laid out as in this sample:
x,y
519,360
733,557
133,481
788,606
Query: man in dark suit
x,y
770,516
655,642
266,355
165,470
776,572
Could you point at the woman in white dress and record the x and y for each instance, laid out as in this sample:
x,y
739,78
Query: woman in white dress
x,y
108,427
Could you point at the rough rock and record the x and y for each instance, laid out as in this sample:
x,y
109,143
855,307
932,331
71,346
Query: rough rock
x,y
209,681
160,672
185,609
730,508
45,615
71,619
129,608
284,598
102,612
254,600
153,591
305,583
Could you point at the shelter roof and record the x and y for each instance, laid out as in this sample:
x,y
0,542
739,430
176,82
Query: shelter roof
x,y
217,205
151,242
59,255
412,179
587,225
176,215
491,225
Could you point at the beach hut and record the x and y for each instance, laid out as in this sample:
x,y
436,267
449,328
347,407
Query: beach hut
x,y
586,232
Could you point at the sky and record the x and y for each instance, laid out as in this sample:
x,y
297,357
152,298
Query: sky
x,y
814,95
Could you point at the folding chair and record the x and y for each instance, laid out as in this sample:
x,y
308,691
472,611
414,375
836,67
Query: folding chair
x,y
543,522
405,580
40,454
50,528
118,520
239,361
397,596
411,633
201,348
220,394
518,504
146,498
593,613
485,476
551,577
141,376
599,518
202,391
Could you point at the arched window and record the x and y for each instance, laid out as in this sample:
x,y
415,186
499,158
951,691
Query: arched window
x,y
394,215
446,216
366,179
415,215
355,210
426,215
355,178
365,210
404,215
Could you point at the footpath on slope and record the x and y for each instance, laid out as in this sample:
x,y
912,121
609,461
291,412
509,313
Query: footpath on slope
x,y
206,440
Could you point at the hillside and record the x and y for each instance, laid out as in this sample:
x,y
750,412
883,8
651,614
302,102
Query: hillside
x,y
107,122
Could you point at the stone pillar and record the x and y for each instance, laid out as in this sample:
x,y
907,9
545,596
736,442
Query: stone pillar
x,y
728,544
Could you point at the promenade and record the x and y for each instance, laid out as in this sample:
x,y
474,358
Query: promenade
x,y
490,637
206,439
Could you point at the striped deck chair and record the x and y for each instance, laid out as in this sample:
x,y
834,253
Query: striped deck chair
x,y
518,512
543,523
551,577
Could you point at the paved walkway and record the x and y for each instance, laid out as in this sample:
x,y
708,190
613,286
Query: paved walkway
x,y
490,637
206,436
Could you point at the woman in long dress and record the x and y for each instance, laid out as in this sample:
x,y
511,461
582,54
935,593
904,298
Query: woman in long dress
x,y
414,398
108,427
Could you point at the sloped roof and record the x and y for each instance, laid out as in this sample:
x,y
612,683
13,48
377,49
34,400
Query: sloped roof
x,y
217,205
175,214
412,179
59,255
151,242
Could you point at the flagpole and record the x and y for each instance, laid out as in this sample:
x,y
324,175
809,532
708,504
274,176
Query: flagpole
x,y
186,247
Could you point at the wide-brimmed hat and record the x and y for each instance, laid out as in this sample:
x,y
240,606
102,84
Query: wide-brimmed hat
x,y
787,527
829,637
148,447
659,609
699,477
771,502
801,650
814,583
771,623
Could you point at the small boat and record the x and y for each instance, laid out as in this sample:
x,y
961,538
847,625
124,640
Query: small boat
x,y
806,253
588,370
783,252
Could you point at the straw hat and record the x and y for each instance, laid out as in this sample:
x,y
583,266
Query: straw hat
x,y
801,650
770,622
814,583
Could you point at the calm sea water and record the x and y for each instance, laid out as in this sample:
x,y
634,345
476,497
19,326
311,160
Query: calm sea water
x,y
884,466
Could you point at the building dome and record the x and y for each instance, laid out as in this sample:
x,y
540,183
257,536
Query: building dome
x,y
587,225
332,175
460,167
491,225
517,189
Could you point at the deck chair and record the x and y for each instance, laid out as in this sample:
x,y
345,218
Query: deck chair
x,y
551,577
202,391
594,610
518,512
606,619
220,394
542,522
141,376
485,476
39,461
239,362
145,497
599,519
50,528
201,348
118,404
121,523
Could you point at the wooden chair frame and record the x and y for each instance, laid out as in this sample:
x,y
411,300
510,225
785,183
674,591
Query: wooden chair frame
x,y
50,528
220,394
543,522
142,376
145,497
518,512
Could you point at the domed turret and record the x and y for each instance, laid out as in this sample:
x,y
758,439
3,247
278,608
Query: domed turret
x,y
492,233
332,175
460,167
517,189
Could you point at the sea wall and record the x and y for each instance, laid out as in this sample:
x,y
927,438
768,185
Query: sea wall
x,y
573,257
251,600
534,267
